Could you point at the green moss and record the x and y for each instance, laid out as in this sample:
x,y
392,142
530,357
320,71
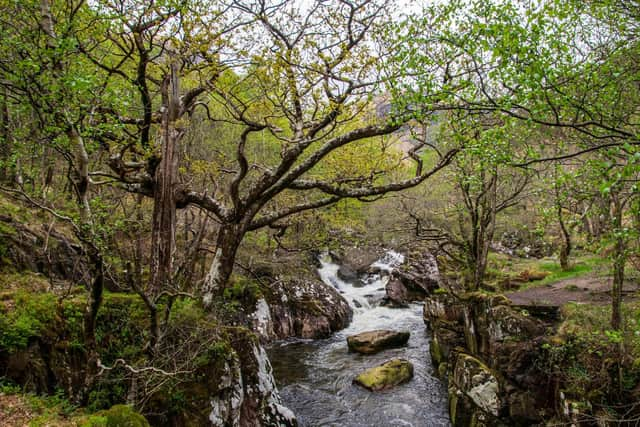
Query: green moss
x,y
26,316
391,373
442,370
122,326
116,416
243,290
436,351
453,405
188,311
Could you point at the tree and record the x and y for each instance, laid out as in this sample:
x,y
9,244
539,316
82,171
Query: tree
x,y
39,80
304,76
479,185
559,64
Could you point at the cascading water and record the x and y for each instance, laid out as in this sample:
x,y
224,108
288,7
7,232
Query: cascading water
x,y
315,377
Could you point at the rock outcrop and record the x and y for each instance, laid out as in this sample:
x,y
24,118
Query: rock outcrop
x,y
41,249
305,308
414,280
488,349
372,342
247,395
389,374
225,373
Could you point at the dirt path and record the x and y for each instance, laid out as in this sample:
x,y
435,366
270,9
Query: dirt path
x,y
589,288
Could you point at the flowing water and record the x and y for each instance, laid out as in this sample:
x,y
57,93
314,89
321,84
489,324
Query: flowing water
x,y
315,377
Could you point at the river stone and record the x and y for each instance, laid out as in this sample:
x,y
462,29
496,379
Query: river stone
x,y
387,375
347,274
397,294
375,341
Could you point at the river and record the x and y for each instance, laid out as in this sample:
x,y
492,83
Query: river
x,y
315,376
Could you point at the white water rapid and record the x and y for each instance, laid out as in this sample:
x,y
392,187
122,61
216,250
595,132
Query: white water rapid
x,y
315,377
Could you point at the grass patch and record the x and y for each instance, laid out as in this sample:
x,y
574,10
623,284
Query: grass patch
x,y
34,410
582,319
503,267
581,267
25,281
28,409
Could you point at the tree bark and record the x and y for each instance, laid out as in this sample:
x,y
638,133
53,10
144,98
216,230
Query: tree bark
x,y
618,266
565,249
227,243
166,176
90,317
5,146
486,219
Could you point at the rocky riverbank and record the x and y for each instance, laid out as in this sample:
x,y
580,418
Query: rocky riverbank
x,y
487,350
527,364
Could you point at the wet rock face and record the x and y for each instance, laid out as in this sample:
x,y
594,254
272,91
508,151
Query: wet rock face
x,y
247,395
442,307
356,261
375,341
302,308
387,375
348,274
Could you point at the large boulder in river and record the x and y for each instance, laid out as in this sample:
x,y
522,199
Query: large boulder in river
x,y
419,275
397,294
387,375
375,341
356,259
348,274
306,308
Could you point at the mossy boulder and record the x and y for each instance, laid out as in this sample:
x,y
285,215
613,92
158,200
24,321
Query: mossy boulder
x,y
375,341
117,416
387,375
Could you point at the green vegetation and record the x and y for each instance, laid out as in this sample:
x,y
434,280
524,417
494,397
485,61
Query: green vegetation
x,y
57,411
582,353
116,416
32,317
162,164
503,268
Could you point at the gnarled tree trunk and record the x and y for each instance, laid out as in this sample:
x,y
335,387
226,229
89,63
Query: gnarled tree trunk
x,y
227,243
164,201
